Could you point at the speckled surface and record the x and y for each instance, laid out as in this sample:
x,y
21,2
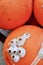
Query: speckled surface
x,y
2,62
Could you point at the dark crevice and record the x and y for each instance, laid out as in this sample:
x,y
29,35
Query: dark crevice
x,y
2,37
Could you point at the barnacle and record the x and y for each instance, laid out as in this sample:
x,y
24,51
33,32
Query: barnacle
x,y
10,50
15,58
21,52
26,35
20,41
13,43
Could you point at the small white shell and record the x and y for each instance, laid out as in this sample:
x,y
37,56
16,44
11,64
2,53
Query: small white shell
x,y
10,50
15,58
20,41
13,43
15,50
26,35
21,52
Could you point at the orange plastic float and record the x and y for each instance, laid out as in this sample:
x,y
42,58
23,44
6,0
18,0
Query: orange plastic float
x,y
24,46
38,11
14,13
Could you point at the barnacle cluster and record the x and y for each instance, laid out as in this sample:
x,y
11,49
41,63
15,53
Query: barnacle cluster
x,y
16,50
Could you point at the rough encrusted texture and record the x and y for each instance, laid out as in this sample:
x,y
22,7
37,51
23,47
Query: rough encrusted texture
x,y
1,54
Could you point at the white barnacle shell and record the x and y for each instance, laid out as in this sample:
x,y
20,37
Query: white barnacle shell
x,y
21,52
10,50
26,35
13,43
20,41
15,50
15,58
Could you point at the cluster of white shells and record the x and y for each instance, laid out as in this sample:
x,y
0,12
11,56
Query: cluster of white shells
x,y
16,50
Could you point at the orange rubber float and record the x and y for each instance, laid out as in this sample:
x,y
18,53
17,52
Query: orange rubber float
x,y
14,13
24,46
38,11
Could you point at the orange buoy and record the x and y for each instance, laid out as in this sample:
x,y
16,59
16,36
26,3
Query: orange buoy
x,y
23,45
38,11
14,13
